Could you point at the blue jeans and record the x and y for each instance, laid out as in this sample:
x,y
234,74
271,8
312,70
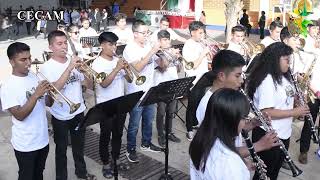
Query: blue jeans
x,y
147,113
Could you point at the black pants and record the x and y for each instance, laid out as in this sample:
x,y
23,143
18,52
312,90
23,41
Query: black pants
x,y
306,130
115,126
61,129
32,164
273,158
164,111
28,24
261,29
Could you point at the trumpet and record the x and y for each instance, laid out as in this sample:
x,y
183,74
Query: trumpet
x,y
132,73
173,59
89,72
54,93
251,49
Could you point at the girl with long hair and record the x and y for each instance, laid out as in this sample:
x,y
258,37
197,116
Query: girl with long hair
x,y
212,150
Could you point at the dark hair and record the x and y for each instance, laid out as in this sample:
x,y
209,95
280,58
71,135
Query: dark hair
x,y
119,16
285,34
54,34
225,109
269,63
262,12
195,25
225,61
137,24
108,37
244,10
203,13
237,29
313,23
84,19
275,24
163,34
164,18
16,48
71,28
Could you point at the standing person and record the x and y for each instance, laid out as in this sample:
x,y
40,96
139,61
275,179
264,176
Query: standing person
x,y
110,88
62,72
124,33
66,17
212,151
105,20
272,91
203,17
25,99
235,44
195,51
42,27
141,55
97,19
166,71
274,29
75,17
262,23
7,27
244,21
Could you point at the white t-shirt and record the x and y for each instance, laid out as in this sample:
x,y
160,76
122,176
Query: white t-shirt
x,y
236,48
300,62
191,52
268,40
72,90
116,88
125,36
314,81
310,45
32,133
173,35
279,97
87,32
222,164
133,53
201,112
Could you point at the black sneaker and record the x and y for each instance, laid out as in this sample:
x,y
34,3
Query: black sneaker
x,y
173,138
161,141
107,171
132,156
151,147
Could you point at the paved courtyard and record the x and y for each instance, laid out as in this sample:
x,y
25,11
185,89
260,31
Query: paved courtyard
x,y
178,152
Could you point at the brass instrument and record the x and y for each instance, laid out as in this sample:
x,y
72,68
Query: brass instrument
x,y
54,93
89,73
177,59
132,73
251,49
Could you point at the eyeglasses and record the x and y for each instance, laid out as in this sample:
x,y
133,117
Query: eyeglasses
x,y
143,33
77,32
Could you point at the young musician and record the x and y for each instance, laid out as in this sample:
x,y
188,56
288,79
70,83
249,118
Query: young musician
x,y
195,51
124,34
61,71
212,151
274,29
73,32
312,45
166,71
312,39
141,55
238,35
228,74
110,88
272,91
24,97
86,30
164,25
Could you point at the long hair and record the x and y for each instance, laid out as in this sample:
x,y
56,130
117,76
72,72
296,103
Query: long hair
x,y
268,63
225,109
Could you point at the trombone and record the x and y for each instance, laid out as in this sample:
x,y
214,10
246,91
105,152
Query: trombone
x,y
132,73
172,58
54,93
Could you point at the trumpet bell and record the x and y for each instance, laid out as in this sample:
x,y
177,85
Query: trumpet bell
x,y
140,80
74,107
259,48
189,65
101,77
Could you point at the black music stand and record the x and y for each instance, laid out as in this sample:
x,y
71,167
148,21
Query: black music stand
x,y
117,106
167,92
92,40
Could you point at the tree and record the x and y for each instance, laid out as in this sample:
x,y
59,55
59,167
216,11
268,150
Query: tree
x,y
233,8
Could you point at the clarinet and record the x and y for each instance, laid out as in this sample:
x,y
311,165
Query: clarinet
x,y
259,164
294,169
303,102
